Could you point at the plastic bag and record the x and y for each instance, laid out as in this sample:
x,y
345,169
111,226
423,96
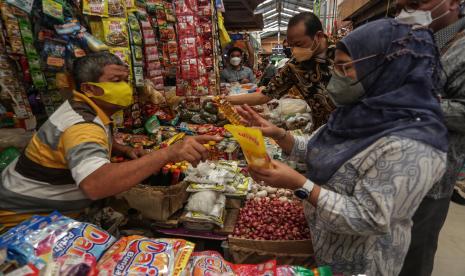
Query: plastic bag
x,y
202,201
138,255
252,144
292,106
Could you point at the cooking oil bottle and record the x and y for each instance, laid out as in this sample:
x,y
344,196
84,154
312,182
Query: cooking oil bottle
x,y
228,110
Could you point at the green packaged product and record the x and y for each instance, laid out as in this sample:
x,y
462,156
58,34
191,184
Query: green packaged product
x,y
152,125
7,156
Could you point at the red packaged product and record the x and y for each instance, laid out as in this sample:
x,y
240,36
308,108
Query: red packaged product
x,y
149,37
185,7
154,65
188,47
204,9
186,25
265,269
151,53
189,68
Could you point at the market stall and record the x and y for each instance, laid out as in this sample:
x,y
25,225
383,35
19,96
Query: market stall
x,y
170,223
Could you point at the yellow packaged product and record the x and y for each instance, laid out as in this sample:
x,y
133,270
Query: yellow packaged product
x,y
117,8
96,26
137,255
95,7
115,32
252,144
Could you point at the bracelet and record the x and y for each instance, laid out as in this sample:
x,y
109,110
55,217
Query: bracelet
x,y
282,136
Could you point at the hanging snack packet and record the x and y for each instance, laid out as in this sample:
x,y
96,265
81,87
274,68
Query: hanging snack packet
x,y
95,7
93,43
116,32
252,144
53,55
117,8
54,9
122,53
137,255
25,5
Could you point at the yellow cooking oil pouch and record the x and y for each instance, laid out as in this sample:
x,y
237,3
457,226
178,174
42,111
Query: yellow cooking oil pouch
x,y
252,144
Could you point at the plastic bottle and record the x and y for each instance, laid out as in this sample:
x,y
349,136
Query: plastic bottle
x,y
228,110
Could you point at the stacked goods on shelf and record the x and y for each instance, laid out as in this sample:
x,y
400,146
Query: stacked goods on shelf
x,y
196,71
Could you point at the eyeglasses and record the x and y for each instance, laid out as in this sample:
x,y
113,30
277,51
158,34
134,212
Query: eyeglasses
x,y
345,68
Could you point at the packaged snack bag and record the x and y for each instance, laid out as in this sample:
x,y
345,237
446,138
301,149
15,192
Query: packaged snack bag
x,y
26,227
95,7
70,265
208,263
252,144
117,8
182,251
63,237
137,255
115,32
266,269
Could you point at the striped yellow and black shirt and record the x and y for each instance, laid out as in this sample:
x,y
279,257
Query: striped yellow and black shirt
x,y
73,143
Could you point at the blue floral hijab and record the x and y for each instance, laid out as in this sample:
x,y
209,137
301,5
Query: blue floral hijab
x,y
400,99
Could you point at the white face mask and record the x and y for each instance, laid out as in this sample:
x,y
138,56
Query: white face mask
x,y
235,61
419,17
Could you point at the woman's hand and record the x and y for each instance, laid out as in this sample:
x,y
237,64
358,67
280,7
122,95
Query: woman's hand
x,y
251,118
279,175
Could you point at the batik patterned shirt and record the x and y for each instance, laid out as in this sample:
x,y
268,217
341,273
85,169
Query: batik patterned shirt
x,y
363,218
307,80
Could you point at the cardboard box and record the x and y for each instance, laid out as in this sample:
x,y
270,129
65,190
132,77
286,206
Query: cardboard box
x,y
157,203
244,251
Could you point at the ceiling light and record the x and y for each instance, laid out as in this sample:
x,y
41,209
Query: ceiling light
x,y
271,16
268,12
304,9
264,3
289,10
286,14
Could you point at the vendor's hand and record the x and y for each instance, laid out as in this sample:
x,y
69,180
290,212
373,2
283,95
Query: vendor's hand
x,y
191,149
244,81
253,119
135,153
279,175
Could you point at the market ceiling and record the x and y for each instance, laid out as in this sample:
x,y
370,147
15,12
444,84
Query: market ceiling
x,y
262,15
276,13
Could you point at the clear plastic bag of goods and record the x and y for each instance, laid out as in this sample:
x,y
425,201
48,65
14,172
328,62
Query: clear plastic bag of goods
x,y
289,107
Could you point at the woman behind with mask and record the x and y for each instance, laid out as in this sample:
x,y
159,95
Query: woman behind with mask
x,y
380,153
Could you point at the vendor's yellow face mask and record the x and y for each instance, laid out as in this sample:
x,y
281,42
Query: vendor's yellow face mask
x,y
117,93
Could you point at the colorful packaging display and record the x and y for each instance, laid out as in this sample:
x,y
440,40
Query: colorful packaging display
x,y
144,256
56,236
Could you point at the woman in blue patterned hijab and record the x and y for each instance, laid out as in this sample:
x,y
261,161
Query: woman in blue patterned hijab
x,y
381,152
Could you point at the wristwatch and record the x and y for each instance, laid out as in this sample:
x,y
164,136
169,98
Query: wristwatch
x,y
304,192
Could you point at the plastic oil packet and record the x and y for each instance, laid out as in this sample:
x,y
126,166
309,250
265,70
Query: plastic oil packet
x,y
252,143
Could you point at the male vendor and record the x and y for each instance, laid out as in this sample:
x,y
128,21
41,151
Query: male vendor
x,y
236,71
67,163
